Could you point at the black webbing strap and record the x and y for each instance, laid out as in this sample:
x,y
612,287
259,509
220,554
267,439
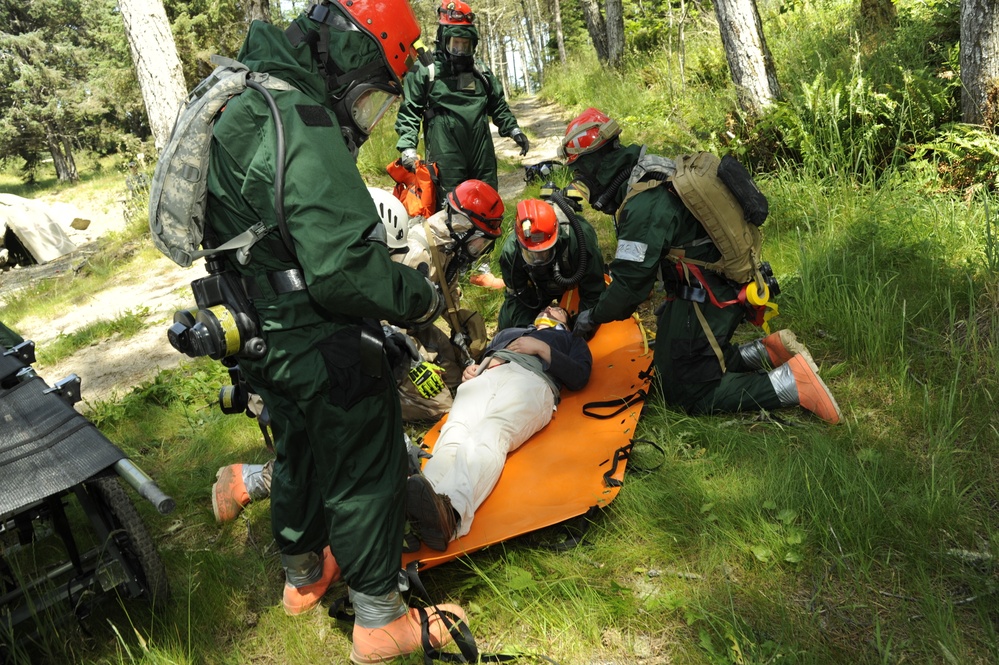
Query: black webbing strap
x,y
623,403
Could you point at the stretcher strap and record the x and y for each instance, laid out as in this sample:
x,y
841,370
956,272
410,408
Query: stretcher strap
x,y
624,402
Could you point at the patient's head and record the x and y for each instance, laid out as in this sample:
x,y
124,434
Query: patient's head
x,y
552,317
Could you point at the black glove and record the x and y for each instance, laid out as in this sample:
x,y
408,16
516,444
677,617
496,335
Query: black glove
x,y
400,349
520,138
585,326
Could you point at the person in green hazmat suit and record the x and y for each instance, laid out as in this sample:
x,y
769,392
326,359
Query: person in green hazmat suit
x,y
546,256
320,282
696,371
454,98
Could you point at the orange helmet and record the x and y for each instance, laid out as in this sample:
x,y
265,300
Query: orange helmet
x,y
537,231
455,12
589,132
481,204
393,25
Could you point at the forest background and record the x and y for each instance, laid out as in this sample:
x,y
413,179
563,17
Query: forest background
x,y
758,537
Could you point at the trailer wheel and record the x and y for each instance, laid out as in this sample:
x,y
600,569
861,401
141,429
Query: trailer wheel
x,y
131,536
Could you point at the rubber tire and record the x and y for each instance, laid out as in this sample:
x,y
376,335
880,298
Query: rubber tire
x,y
132,538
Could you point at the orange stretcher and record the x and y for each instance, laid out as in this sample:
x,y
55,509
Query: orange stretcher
x,y
576,462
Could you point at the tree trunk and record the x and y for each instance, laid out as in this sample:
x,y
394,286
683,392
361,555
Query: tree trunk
x,y
595,26
62,157
258,10
615,32
157,65
559,35
529,32
980,62
878,13
749,59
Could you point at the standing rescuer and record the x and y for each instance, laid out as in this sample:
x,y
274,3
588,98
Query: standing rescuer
x,y
454,98
696,371
319,289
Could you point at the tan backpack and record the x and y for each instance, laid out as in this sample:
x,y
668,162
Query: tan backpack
x,y
722,196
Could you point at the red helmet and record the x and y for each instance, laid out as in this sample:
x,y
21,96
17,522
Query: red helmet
x,y
480,203
455,12
589,132
393,25
537,231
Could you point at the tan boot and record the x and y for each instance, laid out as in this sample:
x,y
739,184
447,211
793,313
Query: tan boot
x,y
229,494
813,394
303,598
402,636
782,345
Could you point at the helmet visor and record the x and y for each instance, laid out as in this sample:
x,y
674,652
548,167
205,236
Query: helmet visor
x,y
369,103
537,258
459,46
479,244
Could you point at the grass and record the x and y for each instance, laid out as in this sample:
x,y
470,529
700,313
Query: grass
x,y
749,538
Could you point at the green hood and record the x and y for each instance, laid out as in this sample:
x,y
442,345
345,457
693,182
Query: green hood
x,y
448,31
267,49
598,169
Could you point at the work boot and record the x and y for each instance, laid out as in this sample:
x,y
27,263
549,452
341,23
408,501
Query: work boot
x,y
435,519
795,382
237,485
402,636
782,345
301,595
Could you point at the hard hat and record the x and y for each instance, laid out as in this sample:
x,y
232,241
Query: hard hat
x,y
591,130
455,12
393,25
394,217
537,231
482,205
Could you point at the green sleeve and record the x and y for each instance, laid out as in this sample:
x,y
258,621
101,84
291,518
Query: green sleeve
x,y
410,114
592,285
327,207
512,312
646,226
497,107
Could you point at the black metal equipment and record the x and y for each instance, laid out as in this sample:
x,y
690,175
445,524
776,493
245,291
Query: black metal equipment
x,y
70,536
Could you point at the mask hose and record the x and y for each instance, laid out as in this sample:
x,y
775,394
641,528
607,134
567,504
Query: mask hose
x,y
566,207
604,199
279,166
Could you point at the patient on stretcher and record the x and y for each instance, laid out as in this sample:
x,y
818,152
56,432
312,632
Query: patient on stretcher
x,y
502,401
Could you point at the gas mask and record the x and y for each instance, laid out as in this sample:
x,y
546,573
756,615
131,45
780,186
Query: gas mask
x,y
470,243
360,108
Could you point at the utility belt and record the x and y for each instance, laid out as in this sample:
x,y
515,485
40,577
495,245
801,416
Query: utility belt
x,y
686,281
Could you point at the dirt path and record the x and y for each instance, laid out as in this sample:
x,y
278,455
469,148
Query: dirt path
x,y
116,365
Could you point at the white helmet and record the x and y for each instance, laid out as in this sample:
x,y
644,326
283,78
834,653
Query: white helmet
x,y
394,217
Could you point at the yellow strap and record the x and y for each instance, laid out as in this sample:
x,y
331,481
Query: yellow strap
x,y
452,309
705,327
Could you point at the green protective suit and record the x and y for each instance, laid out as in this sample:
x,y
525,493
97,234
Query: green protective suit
x,y
341,460
529,290
687,370
455,109
8,337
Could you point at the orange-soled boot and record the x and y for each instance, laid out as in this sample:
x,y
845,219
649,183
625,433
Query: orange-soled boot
x,y
813,394
402,636
783,345
299,599
229,494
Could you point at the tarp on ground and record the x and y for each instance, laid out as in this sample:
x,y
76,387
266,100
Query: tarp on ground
x,y
38,225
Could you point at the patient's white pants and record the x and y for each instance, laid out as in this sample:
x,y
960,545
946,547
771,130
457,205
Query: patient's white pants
x,y
493,414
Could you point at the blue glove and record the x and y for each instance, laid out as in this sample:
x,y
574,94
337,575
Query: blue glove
x,y
585,326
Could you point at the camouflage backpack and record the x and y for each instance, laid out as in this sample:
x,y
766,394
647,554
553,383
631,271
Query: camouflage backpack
x,y
178,192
